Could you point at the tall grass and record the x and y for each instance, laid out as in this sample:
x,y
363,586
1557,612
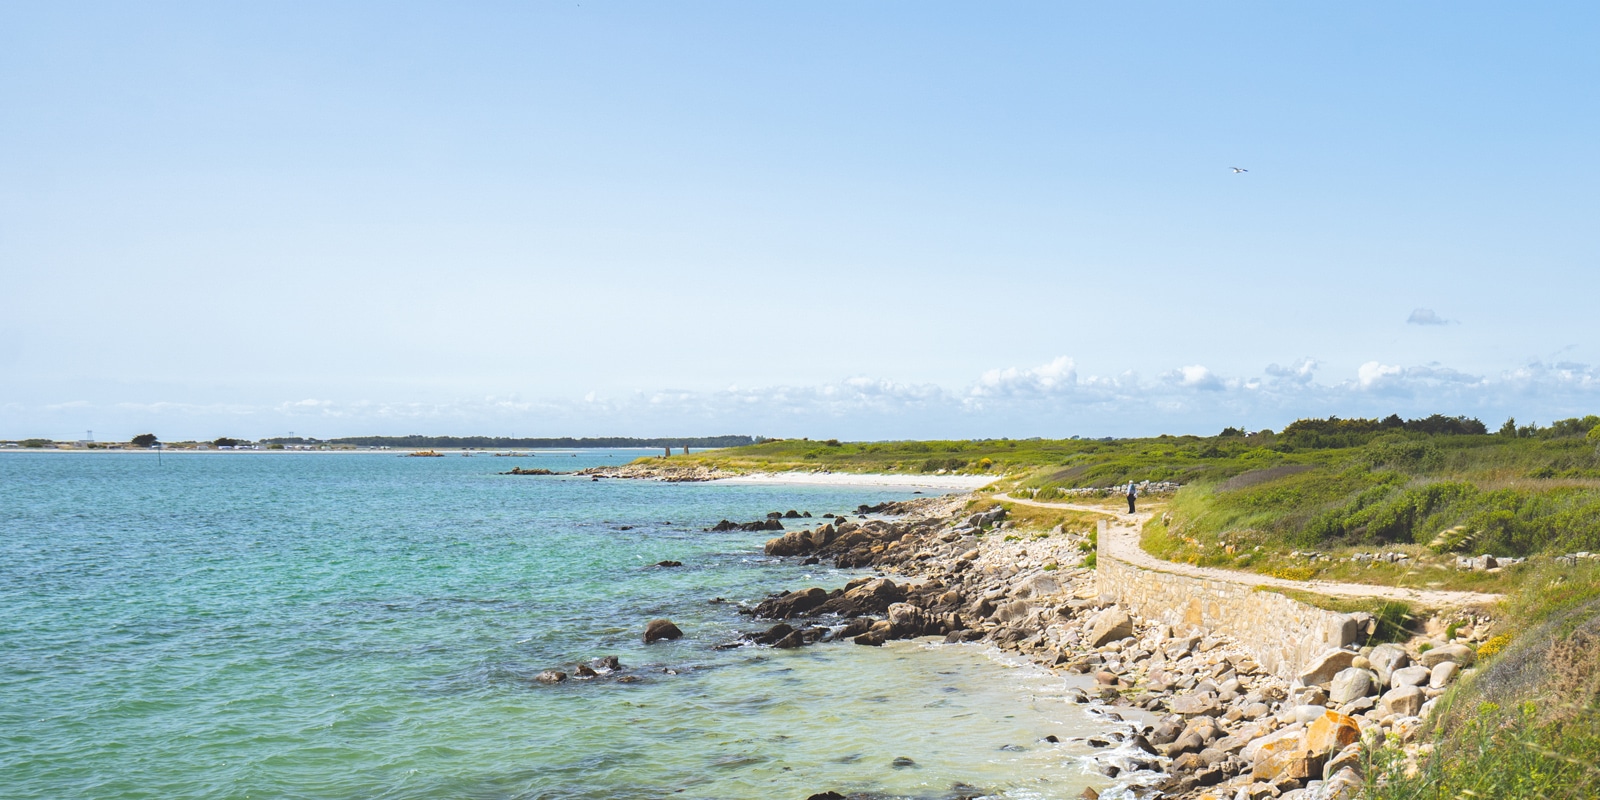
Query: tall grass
x,y
1527,724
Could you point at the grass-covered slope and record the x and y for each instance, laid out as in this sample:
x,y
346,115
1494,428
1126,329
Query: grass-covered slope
x,y
1443,483
1526,726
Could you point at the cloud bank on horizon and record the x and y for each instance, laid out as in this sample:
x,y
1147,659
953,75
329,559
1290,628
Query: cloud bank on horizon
x,y
1051,400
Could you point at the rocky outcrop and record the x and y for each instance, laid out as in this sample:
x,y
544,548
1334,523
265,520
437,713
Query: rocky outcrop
x,y
534,471
769,524
664,471
1229,725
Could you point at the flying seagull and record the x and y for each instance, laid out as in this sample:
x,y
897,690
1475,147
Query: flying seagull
x,y
1237,170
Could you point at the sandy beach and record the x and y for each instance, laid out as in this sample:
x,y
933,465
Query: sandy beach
x,y
964,482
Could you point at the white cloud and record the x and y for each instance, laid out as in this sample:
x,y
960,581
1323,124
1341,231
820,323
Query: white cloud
x,y
1373,374
1301,371
1197,376
1426,316
1060,374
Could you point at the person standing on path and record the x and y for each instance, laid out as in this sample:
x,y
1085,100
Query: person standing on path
x,y
1133,491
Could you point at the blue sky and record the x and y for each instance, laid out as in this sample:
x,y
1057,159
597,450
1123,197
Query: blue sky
x,y
877,220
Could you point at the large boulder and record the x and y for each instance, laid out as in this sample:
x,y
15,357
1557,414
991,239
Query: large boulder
x,y
872,597
1455,653
1110,625
1285,759
661,629
1039,584
1012,613
791,604
1405,701
797,543
1443,674
1409,676
1330,733
907,621
1190,705
1351,684
1320,670
1293,734
1386,658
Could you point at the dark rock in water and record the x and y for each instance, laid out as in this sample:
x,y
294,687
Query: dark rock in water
x,y
1089,793
963,636
774,515
873,597
810,561
901,762
1013,748
793,640
856,627
1053,739
660,629
870,638
608,663
773,634
791,514
1110,771
551,676
791,604
805,542
762,525
669,563
806,514
584,671
826,796
628,679
827,516
1142,743
1097,743
521,471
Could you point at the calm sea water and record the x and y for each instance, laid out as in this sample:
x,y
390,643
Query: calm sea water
x,y
369,626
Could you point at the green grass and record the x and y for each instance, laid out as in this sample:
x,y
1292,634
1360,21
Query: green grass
x,y
1526,724
1328,485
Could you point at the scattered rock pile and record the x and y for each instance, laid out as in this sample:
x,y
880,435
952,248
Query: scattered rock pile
x,y
534,471
1228,728
1486,562
768,524
1571,559
665,471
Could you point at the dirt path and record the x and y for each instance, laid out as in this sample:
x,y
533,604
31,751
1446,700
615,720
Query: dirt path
x,y
1123,543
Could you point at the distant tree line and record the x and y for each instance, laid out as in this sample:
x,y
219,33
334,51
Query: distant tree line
x,y
1336,432
562,442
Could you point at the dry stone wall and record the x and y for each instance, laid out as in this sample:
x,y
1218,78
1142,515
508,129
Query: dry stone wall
x,y
1282,634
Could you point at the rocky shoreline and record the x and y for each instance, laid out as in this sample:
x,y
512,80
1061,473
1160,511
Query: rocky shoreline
x,y
1224,727
669,473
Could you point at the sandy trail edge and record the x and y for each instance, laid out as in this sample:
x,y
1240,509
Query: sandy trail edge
x,y
1123,543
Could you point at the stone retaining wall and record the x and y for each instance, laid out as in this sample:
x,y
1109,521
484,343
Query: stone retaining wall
x,y
1282,634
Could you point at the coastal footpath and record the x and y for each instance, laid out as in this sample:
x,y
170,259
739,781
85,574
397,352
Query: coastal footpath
x,y
1245,694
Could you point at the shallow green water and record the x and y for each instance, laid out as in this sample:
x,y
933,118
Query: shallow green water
x,y
368,626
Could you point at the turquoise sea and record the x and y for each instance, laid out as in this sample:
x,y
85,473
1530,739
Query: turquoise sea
x,y
369,626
